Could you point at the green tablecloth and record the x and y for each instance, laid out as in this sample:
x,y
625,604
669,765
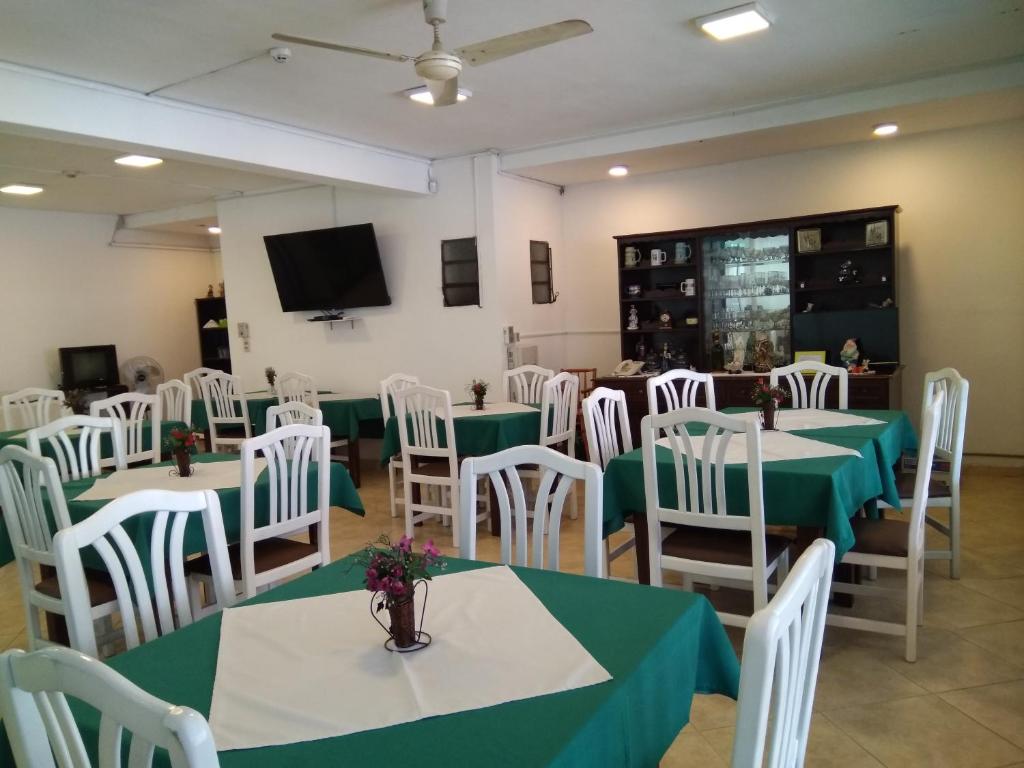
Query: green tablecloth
x,y
821,493
476,435
344,417
660,646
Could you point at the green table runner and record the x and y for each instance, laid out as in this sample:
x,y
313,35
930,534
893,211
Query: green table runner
x,y
344,417
475,435
660,646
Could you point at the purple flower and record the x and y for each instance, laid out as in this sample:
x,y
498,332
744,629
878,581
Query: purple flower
x,y
405,544
430,550
397,588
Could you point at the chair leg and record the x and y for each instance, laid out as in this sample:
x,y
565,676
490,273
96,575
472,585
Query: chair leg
x,y
687,582
782,569
913,597
954,536
573,506
391,488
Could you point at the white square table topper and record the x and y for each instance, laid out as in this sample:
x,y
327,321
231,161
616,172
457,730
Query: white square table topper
x,y
775,446
207,475
795,419
468,410
314,668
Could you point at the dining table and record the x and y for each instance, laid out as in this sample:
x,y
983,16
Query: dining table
x,y
659,647
814,493
348,416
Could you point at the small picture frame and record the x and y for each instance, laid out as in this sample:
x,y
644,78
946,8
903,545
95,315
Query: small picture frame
x,y
808,240
817,355
876,233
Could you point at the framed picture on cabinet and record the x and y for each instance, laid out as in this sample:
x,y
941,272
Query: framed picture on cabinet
x,y
803,355
808,240
876,233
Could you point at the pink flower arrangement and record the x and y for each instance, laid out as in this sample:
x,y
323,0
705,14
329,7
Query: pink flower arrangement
x,y
394,569
763,394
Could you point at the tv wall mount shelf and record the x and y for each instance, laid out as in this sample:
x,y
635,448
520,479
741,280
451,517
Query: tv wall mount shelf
x,y
333,317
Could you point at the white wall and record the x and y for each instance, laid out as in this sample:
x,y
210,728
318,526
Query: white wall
x,y
62,285
445,347
961,258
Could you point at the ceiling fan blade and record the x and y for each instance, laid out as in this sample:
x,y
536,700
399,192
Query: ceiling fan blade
x,y
445,92
342,48
518,42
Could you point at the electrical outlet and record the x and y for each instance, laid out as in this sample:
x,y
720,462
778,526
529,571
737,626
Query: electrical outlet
x,y
243,330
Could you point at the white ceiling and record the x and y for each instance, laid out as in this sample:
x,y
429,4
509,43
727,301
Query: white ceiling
x,y
645,64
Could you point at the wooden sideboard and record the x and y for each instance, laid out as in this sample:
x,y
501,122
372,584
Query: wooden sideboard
x,y
878,391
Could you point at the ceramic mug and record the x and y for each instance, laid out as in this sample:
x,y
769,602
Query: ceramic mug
x,y
632,256
658,257
682,253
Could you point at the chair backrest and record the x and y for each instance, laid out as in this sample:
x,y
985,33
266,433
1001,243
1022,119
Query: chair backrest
x,y
678,388
586,377
152,595
952,421
294,412
523,384
390,386
34,509
291,507
225,403
193,378
426,428
132,412
294,387
557,473
34,707
558,400
781,651
75,442
699,465
32,407
931,426
175,401
606,422
814,397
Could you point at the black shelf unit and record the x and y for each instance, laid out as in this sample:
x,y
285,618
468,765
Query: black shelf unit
x,y
214,348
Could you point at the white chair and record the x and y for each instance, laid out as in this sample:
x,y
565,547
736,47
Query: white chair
x,y
559,396
709,541
679,389
896,544
523,384
389,387
175,401
131,413
152,596
558,474
32,407
428,455
295,412
192,380
34,510
299,388
606,423
781,651
943,487
227,410
800,396
41,725
267,553
75,442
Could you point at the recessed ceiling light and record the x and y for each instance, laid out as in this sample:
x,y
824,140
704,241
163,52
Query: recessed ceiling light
x,y
734,22
886,129
21,189
618,170
421,94
213,230
138,161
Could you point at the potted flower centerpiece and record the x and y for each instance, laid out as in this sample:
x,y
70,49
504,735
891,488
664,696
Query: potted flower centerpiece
x,y
182,444
478,389
393,573
271,375
768,399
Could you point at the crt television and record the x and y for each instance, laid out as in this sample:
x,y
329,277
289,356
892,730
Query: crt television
x,y
327,269
89,367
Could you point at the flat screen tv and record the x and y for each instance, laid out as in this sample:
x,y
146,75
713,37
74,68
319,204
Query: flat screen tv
x,y
89,367
327,269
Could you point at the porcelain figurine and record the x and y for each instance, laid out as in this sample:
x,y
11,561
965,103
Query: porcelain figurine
x,y
764,355
850,353
634,320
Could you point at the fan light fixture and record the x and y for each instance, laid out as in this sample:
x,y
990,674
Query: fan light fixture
x,y
734,22
885,129
421,95
215,230
21,189
138,161
618,170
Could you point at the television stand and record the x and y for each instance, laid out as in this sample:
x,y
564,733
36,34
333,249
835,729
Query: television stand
x,y
334,316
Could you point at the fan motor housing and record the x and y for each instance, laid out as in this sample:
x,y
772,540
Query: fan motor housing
x,y
438,65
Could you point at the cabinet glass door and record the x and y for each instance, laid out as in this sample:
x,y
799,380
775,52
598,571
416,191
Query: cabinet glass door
x,y
746,294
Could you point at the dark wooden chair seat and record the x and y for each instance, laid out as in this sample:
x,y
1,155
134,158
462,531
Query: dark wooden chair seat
x,y
268,554
712,545
937,489
101,588
880,537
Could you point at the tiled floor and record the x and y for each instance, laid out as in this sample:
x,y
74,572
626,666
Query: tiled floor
x,y
960,704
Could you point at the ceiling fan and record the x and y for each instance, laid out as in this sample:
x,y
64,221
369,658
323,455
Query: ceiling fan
x,y
440,68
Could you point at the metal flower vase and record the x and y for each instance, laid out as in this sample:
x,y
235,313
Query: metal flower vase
x,y
769,415
478,402
403,634
184,461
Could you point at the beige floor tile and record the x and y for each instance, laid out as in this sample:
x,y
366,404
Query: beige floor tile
x,y
19,641
945,661
999,708
924,731
855,677
691,750
713,711
1005,640
950,604
1009,591
827,747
